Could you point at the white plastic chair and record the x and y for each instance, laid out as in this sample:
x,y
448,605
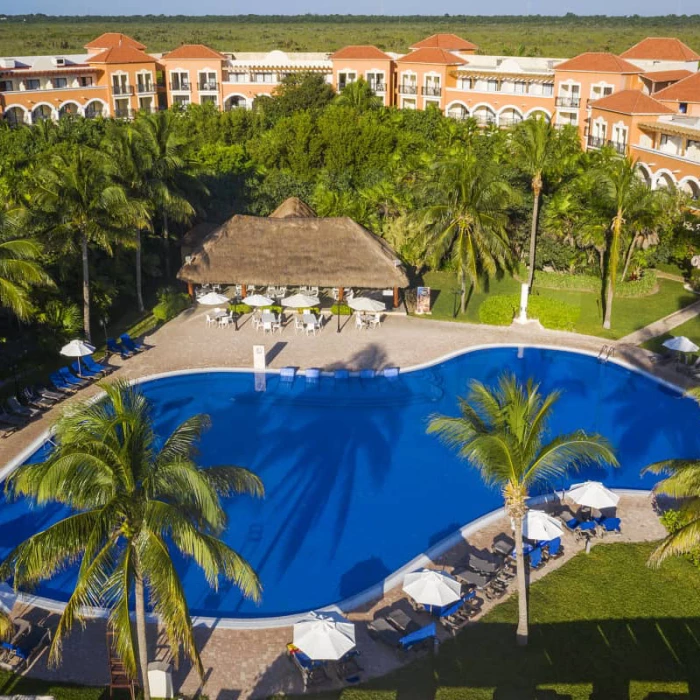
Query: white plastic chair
x,y
375,321
210,321
310,328
223,321
359,323
298,324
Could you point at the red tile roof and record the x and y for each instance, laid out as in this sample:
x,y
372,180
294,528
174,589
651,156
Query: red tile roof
x,y
433,56
451,42
686,90
112,39
360,52
592,62
631,102
666,76
122,54
661,49
193,51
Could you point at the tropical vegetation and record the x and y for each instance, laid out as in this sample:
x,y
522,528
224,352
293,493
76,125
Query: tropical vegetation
x,y
502,432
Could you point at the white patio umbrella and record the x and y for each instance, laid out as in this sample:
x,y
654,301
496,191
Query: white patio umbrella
x,y
77,348
7,598
324,636
213,299
429,587
366,304
300,301
681,344
537,525
593,494
258,300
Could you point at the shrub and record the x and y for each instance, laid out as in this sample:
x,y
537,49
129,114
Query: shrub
x,y
499,310
641,287
170,304
240,308
694,280
341,310
674,520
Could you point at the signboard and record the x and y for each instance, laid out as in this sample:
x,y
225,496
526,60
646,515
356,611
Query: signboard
x,y
423,300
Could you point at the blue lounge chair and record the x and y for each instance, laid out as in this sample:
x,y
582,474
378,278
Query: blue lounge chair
x,y
391,372
348,668
610,524
554,548
587,526
312,672
341,374
71,378
452,608
22,649
130,344
418,638
367,374
82,370
118,349
287,375
60,383
572,523
535,558
313,375
96,367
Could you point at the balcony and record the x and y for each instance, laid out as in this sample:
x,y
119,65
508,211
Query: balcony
x,y
122,113
431,91
146,89
484,119
408,90
180,86
619,146
596,142
509,121
208,86
122,89
567,101
377,87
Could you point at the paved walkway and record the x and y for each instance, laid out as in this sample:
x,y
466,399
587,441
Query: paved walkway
x,y
663,325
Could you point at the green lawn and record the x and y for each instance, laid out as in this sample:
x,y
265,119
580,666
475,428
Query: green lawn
x,y
628,314
690,329
604,627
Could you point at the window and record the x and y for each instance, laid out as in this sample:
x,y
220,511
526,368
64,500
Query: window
x,y
683,107
144,82
6,86
464,84
181,99
519,88
376,81
146,104
33,84
180,80
261,77
237,77
548,89
207,80
208,99
492,85
60,83
120,84
345,78
432,86
85,81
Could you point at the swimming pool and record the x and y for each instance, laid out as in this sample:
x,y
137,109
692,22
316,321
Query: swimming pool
x,y
355,488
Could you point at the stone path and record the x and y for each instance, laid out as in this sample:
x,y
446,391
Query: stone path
x,y
663,325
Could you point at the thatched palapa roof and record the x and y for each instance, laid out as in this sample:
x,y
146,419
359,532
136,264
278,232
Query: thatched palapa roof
x,y
294,250
293,208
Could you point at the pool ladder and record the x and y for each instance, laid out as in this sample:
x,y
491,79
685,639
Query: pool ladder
x,y
606,352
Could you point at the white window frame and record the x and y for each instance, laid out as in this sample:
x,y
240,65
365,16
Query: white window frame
x,y
347,80
208,72
180,72
376,72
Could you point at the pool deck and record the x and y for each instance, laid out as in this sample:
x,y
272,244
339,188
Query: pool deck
x,y
251,663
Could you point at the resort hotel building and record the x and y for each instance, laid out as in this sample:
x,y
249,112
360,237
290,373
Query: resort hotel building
x,y
645,103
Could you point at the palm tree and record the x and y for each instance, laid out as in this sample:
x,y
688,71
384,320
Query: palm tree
x,y
538,154
359,95
77,192
682,483
20,266
468,222
133,499
501,432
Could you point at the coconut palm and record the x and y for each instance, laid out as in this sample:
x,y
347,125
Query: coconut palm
x,y
134,499
682,483
502,432
20,268
76,192
466,220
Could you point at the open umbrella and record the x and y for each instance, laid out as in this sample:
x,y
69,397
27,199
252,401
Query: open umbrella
x,y
77,348
366,304
430,587
213,299
592,494
258,300
324,636
537,525
300,301
681,344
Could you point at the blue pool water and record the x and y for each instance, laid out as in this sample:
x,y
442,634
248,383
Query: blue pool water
x,y
355,488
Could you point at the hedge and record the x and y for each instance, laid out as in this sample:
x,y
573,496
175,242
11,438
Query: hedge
x,y
170,304
644,286
501,309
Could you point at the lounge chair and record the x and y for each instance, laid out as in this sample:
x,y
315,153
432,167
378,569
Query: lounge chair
x,y
32,399
555,548
421,638
341,374
535,558
610,525
14,421
381,630
97,367
71,378
118,349
287,375
367,374
83,371
483,565
130,344
61,384
348,668
312,672
25,411
313,375
391,372
23,648
47,394
471,578
403,622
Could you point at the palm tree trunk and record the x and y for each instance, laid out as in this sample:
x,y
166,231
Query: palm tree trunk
x,y
139,281
628,258
613,259
463,298
536,191
166,247
86,286
142,642
522,631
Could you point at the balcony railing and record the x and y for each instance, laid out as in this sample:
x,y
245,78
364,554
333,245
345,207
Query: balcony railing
x,y
142,89
122,89
378,87
122,113
431,91
509,121
408,90
180,86
619,146
596,142
484,120
208,86
567,101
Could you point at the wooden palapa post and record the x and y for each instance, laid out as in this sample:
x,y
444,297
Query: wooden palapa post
x,y
396,297
190,289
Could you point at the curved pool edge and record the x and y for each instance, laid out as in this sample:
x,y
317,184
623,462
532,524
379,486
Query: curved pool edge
x,y
392,580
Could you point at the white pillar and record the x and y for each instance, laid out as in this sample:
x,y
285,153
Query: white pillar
x,y
524,291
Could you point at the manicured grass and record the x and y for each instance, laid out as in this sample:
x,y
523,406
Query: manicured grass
x,y
604,627
11,684
690,329
628,314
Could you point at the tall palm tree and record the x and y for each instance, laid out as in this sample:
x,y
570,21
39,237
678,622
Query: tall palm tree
x,y
683,484
134,499
77,193
501,432
172,181
537,153
20,265
467,223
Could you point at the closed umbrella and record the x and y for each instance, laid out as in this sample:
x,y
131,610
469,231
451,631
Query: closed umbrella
x,y
681,344
537,525
213,299
324,636
77,348
257,300
366,304
300,301
592,494
429,587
